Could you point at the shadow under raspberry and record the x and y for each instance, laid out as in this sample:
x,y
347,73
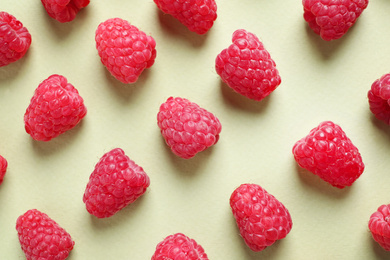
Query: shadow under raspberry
x,y
231,98
379,252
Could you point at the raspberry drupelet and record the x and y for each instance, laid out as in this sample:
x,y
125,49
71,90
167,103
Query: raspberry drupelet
x,y
64,10
115,183
247,67
331,19
179,246
42,238
198,16
379,225
55,108
3,168
327,152
379,98
186,127
15,39
124,49
260,217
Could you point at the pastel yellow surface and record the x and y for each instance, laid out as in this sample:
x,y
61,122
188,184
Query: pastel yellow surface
x,y
320,81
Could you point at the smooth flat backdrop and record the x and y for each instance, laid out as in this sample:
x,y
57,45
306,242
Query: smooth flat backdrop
x,y
320,81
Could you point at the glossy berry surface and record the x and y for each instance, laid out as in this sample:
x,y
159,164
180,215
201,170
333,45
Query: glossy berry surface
x,y
124,49
64,10
115,183
327,152
179,247
379,225
379,98
260,217
331,19
3,168
247,67
15,39
186,127
41,238
198,16
55,108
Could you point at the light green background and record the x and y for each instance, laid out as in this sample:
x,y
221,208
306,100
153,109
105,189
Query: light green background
x,y
320,81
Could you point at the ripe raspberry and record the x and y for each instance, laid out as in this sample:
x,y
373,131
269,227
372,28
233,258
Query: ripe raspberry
x,y
332,19
186,127
198,16
179,246
55,108
124,49
261,218
379,225
64,10
41,237
379,98
247,67
327,152
115,183
14,39
3,168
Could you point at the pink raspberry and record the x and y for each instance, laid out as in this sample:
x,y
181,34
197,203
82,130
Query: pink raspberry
x,y
327,152
55,108
186,127
379,225
379,98
198,16
115,183
15,39
260,217
179,246
42,238
64,10
332,19
124,49
247,67
3,168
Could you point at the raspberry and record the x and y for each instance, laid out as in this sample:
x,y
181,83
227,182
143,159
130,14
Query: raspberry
x,y
55,108
332,19
179,246
186,127
124,49
327,152
260,217
247,67
115,183
14,39
379,98
379,225
3,168
41,237
198,16
64,10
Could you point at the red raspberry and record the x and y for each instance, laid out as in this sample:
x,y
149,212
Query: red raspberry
x,y
379,98
261,218
64,10
327,152
55,108
179,246
332,19
124,49
186,127
379,225
115,183
198,16
247,67
14,39
3,168
42,238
